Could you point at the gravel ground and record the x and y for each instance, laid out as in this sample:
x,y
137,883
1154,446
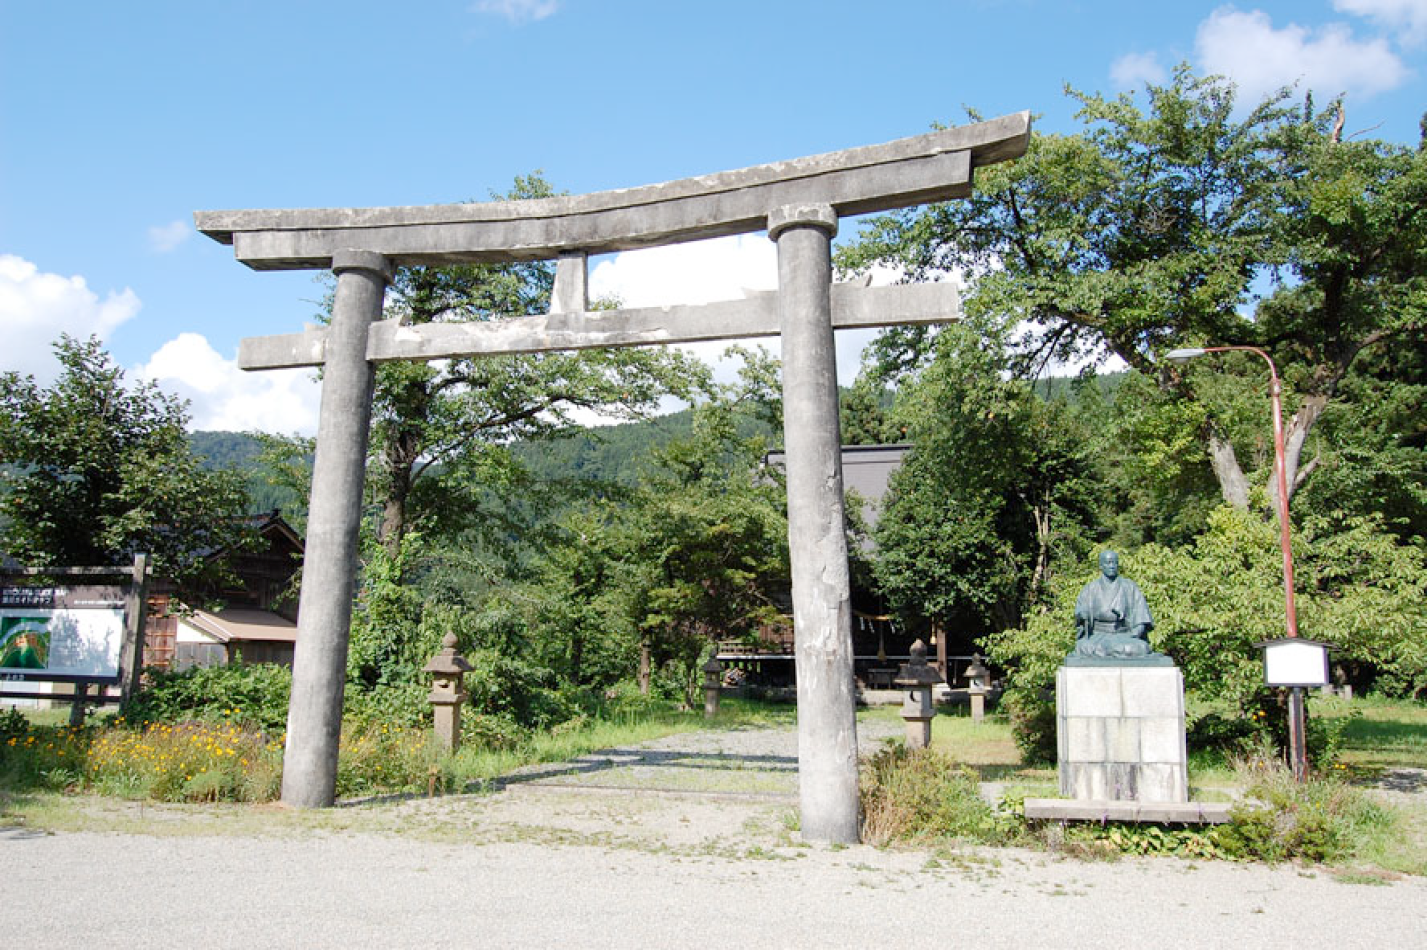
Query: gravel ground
x,y
683,841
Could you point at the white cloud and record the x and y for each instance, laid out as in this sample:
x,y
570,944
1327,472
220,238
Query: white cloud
x,y
519,11
705,271
1133,70
1260,58
697,272
35,308
1407,18
166,237
224,397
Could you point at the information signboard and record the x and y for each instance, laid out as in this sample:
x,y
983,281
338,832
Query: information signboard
x,y
61,634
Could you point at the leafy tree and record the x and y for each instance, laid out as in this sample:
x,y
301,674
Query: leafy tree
x,y
707,545
441,431
1149,230
1371,458
864,413
644,578
93,471
998,482
1352,222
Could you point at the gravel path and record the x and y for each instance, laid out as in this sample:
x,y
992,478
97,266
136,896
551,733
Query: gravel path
x,y
602,853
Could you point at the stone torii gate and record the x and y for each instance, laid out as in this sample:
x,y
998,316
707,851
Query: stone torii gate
x,y
798,202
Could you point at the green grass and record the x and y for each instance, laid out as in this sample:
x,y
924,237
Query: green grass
x,y
59,716
1381,734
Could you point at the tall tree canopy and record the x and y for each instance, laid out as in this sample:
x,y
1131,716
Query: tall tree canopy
x,y
1164,226
94,470
441,431
997,481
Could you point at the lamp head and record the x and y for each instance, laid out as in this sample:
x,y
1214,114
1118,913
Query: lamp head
x,y
1187,353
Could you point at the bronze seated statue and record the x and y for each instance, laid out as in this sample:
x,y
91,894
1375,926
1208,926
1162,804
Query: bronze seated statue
x,y
1112,620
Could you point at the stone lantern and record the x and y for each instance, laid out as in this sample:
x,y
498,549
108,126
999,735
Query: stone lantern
x,y
448,670
979,678
713,686
917,679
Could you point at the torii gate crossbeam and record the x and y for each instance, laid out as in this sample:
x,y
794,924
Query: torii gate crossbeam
x,y
798,202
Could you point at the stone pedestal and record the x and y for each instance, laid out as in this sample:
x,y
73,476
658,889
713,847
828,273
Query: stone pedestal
x,y
1120,733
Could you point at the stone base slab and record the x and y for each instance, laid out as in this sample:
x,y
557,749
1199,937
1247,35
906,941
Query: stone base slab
x,y
1185,813
1120,733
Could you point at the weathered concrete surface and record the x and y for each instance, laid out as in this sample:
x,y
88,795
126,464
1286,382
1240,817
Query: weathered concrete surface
x,y
329,567
932,167
1189,813
822,609
756,315
571,293
1120,733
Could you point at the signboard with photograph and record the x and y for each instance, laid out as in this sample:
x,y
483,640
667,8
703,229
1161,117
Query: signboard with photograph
x,y
61,634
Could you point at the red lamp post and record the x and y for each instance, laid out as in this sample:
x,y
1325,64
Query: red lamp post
x,y
1296,719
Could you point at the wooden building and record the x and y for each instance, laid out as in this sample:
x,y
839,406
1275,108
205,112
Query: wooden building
x,y
258,616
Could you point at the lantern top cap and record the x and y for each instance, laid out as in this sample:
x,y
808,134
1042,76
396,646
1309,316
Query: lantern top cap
x,y
448,662
916,672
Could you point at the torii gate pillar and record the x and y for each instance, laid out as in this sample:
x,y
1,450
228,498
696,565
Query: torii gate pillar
x,y
817,543
319,668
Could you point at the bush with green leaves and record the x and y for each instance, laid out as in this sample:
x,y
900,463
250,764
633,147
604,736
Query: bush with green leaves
x,y
256,694
521,692
923,795
13,724
1214,601
1322,820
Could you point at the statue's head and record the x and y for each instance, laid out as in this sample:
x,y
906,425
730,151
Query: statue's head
x,y
1110,564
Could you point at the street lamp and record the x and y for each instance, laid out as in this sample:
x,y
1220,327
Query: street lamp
x,y
1296,724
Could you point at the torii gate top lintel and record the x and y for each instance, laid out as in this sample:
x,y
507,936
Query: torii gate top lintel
x,y
935,166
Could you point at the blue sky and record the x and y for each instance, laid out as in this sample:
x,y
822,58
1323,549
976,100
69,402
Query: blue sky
x,y
117,121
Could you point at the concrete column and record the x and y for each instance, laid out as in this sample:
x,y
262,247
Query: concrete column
x,y
329,566
822,611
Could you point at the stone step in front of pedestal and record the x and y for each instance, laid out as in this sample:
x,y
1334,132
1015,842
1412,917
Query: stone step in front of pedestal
x,y
1187,813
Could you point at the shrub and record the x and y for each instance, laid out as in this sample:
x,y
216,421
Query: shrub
x,y
13,724
1116,838
1032,716
1229,735
920,795
256,694
513,689
380,758
493,733
403,705
1322,820
40,756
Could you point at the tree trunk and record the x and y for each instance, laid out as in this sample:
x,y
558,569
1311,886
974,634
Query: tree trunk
x,y
1233,484
393,523
398,456
1041,514
1295,436
645,666
577,657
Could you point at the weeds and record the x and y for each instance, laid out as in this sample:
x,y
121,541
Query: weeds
x,y
185,762
922,795
383,759
1323,819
